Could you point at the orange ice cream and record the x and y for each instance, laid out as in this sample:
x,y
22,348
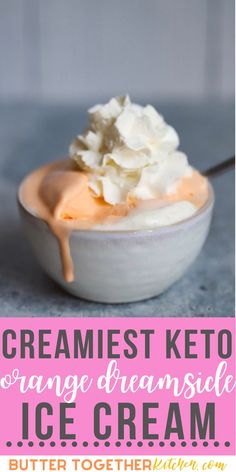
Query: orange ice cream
x,y
59,194
126,161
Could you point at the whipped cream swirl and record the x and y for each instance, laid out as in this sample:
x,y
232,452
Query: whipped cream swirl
x,y
129,152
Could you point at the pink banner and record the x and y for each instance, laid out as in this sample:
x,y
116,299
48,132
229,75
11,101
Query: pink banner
x,y
117,386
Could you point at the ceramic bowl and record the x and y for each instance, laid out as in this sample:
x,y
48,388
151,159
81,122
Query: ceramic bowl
x,y
121,266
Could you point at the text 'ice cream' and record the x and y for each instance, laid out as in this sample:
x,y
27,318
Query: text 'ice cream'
x,y
125,173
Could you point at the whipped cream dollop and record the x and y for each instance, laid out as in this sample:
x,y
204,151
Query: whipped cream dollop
x,y
129,152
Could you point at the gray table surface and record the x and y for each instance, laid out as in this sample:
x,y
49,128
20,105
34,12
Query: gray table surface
x,y
32,134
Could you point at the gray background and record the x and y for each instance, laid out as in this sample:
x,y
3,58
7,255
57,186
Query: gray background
x,y
88,49
59,57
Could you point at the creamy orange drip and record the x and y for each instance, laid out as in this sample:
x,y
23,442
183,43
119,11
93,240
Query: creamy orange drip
x,y
59,194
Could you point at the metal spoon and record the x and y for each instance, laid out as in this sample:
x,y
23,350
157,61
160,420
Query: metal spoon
x,y
221,168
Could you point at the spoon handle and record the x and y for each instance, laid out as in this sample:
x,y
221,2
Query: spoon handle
x,y
224,166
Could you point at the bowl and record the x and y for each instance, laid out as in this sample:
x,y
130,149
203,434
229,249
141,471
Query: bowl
x,y
121,266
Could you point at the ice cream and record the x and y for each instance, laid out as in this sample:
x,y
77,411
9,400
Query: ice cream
x,y
124,173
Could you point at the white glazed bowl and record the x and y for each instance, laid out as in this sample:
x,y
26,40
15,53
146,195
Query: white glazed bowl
x,y
122,266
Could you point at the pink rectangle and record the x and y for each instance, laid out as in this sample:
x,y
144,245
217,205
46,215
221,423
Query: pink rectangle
x,y
206,342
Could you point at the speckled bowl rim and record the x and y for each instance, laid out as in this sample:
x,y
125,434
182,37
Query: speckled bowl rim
x,y
160,231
